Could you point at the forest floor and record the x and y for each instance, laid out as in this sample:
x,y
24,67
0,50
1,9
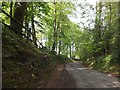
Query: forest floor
x,y
75,75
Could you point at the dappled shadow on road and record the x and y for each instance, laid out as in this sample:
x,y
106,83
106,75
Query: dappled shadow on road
x,y
61,79
67,81
75,75
86,77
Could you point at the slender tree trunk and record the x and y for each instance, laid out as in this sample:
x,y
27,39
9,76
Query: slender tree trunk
x,y
19,16
59,38
26,25
28,31
41,38
54,31
11,5
110,28
67,50
59,46
33,28
99,23
107,41
118,34
49,46
97,33
70,51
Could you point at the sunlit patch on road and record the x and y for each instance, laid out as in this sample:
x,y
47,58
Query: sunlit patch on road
x,y
81,68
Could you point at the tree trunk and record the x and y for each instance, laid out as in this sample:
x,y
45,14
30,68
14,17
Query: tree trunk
x,y
33,28
59,47
70,51
11,5
118,41
110,29
27,26
19,16
54,31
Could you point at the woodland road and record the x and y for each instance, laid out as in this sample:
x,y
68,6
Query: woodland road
x,y
75,75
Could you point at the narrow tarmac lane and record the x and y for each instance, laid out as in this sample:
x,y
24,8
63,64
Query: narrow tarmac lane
x,y
75,75
87,78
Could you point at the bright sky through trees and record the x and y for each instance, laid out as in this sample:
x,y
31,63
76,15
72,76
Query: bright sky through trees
x,y
77,14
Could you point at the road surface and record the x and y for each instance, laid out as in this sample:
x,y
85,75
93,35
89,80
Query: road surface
x,y
75,75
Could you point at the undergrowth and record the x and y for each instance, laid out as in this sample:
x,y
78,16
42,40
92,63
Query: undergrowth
x,y
103,64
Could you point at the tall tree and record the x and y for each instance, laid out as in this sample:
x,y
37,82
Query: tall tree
x,y
118,40
54,27
33,26
19,14
11,6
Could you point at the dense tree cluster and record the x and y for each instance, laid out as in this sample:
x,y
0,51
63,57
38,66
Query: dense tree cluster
x,y
50,24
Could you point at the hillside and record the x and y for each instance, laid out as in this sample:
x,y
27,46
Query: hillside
x,y
23,64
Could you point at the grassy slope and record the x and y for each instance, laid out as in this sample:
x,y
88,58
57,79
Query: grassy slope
x,y
23,65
